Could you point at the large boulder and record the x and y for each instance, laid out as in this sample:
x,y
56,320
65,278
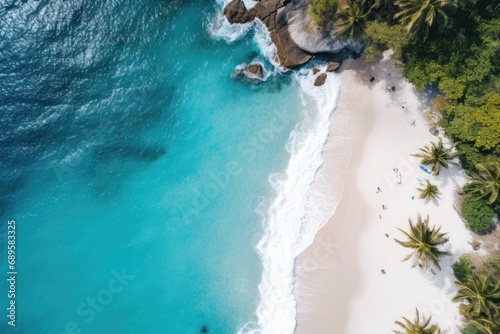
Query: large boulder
x,y
270,12
296,37
236,12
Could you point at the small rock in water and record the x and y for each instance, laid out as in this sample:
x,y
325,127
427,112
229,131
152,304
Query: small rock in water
x,y
332,66
315,70
204,329
320,80
255,69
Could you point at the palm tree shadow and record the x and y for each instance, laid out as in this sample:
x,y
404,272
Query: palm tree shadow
x,y
435,201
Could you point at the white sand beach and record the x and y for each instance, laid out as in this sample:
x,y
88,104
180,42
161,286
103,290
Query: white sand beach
x,y
340,287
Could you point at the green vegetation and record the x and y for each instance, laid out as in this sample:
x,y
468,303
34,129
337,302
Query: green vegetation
x,y
471,330
429,192
481,295
486,182
419,15
424,241
492,264
436,156
477,214
462,269
416,326
381,36
350,19
321,11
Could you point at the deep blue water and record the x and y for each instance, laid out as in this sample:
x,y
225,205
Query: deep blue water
x,y
132,164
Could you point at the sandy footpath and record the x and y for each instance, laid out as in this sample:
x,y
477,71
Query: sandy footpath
x,y
340,288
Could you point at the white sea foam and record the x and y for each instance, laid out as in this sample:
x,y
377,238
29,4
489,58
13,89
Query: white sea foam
x,y
300,205
220,28
289,225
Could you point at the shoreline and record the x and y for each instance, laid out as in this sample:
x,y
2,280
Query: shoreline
x,y
338,283
322,258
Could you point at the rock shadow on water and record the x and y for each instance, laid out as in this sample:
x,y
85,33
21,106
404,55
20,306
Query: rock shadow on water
x,y
111,165
129,152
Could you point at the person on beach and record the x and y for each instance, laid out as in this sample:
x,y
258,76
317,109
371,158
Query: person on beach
x,y
382,271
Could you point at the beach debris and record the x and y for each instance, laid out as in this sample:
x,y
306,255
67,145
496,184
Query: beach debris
x,y
315,70
372,79
419,180
391,88
433,272
434,131
380,216
475,245
425,169
397,175
320,80
413,197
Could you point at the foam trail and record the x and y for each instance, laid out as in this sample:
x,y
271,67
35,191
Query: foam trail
x,y
300,206
285,218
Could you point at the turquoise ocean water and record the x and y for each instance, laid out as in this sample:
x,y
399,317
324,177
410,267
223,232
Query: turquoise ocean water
x,y
133,165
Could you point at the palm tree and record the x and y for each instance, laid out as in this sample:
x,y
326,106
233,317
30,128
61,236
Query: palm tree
x,y
350,19
487,181
429,192
416,327
436,155
482,295
418,14
424,241
486,326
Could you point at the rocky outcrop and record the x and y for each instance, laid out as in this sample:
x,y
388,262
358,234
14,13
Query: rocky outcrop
x,y
270,12
236,12
255,69
296,38
320,80
253,73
